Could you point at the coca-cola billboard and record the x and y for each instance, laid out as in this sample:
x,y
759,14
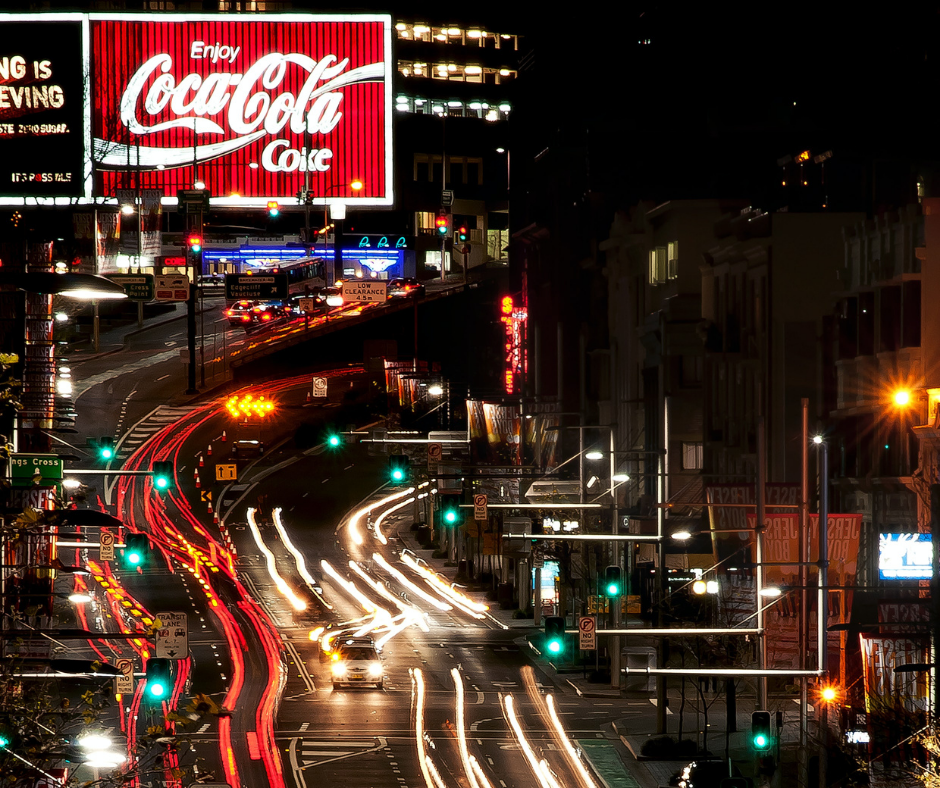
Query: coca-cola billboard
x,y
251,107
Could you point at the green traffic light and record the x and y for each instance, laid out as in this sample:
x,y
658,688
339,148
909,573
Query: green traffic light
x,y
333,440
760,741
156,689
106,454
554,646
450,516
398,474
161,482
4,741
613,589
134,558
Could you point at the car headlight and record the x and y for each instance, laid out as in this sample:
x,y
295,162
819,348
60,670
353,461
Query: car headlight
x,y
339,669
375,669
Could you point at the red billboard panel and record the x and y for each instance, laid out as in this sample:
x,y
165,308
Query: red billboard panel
x,y
255,108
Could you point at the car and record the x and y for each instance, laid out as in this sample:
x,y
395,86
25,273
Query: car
x,y
357,661
247,448
704,774
210,281
330,296
271,311
239,313
405,288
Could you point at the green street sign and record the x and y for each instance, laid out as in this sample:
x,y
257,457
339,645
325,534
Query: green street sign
x,y
139,287
255,287
23,469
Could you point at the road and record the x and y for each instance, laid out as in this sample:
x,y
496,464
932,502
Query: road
x,y
251,648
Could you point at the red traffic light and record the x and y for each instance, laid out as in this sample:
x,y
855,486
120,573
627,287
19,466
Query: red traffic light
x,y
195,243
442,224
273,208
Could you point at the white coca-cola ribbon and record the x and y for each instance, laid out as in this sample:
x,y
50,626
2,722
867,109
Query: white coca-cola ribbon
x,y
119,155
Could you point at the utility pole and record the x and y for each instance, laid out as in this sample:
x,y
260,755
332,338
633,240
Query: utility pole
x,y
803,641
822,605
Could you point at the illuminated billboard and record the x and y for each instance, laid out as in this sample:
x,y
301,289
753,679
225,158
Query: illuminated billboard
x,y
256,108
41,117
905,557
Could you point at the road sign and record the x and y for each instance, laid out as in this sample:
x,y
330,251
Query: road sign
x,y
205,496
173,636
24,467
171,288
255,287
479,508
106,542
226,472
447,198
435,452
139,287
124,684
319,387
364,290
307,305
587,633
193,200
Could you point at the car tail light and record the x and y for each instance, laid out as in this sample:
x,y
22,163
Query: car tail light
x,y
266,316
246,318
228,312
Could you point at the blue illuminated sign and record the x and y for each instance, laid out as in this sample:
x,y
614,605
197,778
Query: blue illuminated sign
x,y
905,556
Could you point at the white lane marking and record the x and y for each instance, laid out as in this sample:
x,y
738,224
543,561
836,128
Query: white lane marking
x,y
83,385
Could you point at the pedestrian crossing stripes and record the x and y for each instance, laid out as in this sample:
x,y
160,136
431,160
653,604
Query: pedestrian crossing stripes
x,y
152,423
312,752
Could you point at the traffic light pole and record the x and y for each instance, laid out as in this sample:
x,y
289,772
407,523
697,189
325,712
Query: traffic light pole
x,y
191,337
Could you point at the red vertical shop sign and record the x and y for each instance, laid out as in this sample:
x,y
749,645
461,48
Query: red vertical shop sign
x,y
252,105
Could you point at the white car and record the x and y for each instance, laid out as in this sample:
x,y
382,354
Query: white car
x,y
357,663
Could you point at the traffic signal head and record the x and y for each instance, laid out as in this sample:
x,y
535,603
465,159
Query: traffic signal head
x,y
334,440
450,514
555,634
163,475
443,225
195,244
136,550
462,234
158,678
273,208
398,466
612,581
105,448
761,737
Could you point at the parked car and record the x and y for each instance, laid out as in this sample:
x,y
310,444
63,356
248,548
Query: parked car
x,y
704,774
248,448
239,313
405,288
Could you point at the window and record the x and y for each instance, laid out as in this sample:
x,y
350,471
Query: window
x,y
672,260
658,265
691,456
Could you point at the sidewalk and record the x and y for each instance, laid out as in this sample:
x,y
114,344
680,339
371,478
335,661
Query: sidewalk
x,y
115,338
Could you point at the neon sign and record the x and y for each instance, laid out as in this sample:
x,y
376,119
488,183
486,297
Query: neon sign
x,y
257,104
513,319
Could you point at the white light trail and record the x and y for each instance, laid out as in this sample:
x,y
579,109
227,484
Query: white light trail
x,y
539,768
468,760
408,584
296,602
353,524
377,525
381,590
298,557
367,604
432,779
434,580
562,737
